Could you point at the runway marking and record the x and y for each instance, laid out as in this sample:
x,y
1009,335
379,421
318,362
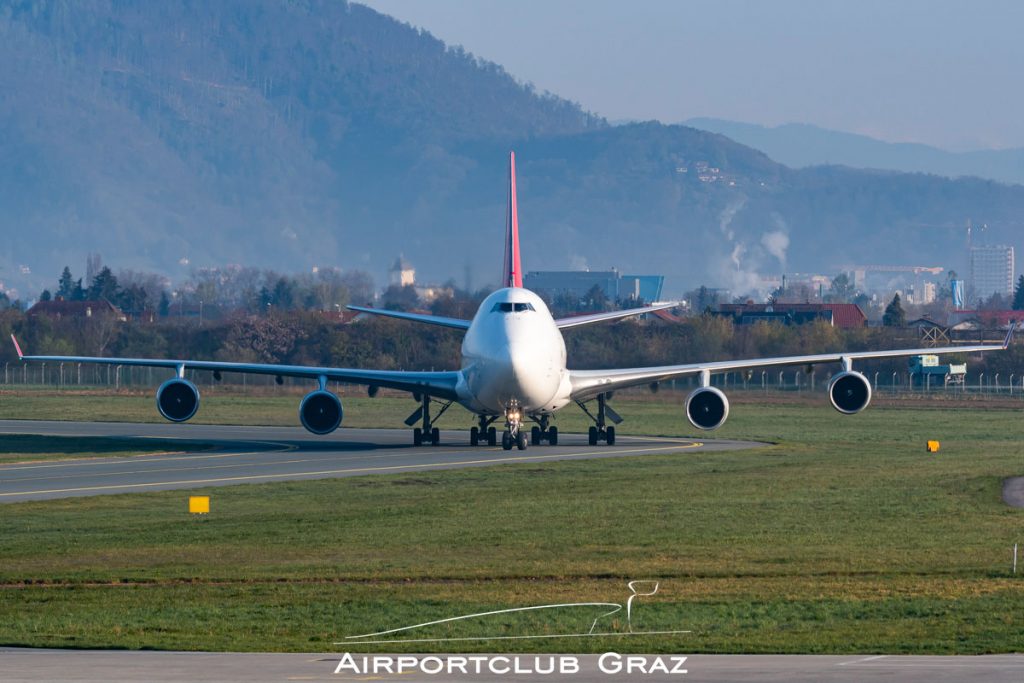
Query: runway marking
x,y
331,454
413,467
861,661
179,469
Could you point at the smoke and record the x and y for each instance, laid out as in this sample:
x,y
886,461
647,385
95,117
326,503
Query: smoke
x,y
775,243
725,219
741,271
735,271
578,262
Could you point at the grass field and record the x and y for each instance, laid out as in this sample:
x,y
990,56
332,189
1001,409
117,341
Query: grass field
x,y
844,536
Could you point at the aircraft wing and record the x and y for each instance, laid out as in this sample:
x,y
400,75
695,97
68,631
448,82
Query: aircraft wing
x,y
415,317
578,320
438,384
587,384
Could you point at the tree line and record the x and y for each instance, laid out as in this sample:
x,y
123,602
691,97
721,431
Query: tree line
x,y
310,337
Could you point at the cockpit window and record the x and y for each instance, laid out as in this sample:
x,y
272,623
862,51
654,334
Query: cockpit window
x,y
505,307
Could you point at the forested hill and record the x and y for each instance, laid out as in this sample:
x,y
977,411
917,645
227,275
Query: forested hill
x,y
172,135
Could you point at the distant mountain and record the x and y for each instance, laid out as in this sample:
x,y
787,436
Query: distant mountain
x,y
800,144
285,135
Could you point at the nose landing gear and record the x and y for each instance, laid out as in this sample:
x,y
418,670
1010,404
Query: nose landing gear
x,y
513,434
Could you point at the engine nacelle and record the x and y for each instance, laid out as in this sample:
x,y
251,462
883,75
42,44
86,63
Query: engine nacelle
x,y
177,399
849,392
320,412
707,408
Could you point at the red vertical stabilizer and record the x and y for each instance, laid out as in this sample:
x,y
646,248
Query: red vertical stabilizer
x,y
512,276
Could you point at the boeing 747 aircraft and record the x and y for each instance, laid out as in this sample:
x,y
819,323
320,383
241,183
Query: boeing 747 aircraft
x,y
514,370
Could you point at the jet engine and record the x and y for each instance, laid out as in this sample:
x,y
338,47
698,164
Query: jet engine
x,y
849,392
320,412
177,399
707,408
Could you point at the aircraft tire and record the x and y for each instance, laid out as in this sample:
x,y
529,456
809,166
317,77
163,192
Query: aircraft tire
x,y
506,440
553,436
417,437
592,436
535,436
435,437
474,436
609,436
521,441
492,436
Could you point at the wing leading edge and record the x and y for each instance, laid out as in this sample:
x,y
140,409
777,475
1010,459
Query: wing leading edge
x,y
438,384
576,321
587,384
439,320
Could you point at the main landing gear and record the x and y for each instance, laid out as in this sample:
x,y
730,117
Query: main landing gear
x,y
428,433
513,434
542,432
485,432
600,431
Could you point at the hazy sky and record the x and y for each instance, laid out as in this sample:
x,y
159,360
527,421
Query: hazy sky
x,y
942,73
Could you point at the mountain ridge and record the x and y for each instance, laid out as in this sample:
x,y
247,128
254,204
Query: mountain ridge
x,y
803,144
289,135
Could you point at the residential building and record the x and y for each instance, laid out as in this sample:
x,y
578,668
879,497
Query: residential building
x,y
838,315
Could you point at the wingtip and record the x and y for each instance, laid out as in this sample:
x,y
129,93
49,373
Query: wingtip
x,y
1009,334
17,347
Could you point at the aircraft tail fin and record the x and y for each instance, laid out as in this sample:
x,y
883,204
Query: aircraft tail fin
x,y
512,275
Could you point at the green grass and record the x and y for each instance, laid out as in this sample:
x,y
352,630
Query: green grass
x,y
844,536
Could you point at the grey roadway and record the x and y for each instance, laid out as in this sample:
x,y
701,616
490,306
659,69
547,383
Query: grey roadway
x,y
246,455
18,665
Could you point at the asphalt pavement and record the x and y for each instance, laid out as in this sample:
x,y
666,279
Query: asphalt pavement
x,y
215,455
86,666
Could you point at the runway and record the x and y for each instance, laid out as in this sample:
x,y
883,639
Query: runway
x,y
247,455
83,666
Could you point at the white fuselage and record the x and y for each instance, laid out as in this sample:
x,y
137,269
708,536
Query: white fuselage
x,y
513,354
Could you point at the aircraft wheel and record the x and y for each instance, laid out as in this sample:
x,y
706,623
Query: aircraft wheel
x,y
417,437
553,436
535,436
592,436
492,436
435,437
506,440
521,440
474,436
609,436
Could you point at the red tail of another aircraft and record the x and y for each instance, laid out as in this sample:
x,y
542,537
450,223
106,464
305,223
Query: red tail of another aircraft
x,y
512,276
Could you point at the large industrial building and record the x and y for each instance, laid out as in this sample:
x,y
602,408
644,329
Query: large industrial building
x,y
616,286
991,272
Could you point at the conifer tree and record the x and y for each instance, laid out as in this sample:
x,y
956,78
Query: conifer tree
x,y
1018,295
894,315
